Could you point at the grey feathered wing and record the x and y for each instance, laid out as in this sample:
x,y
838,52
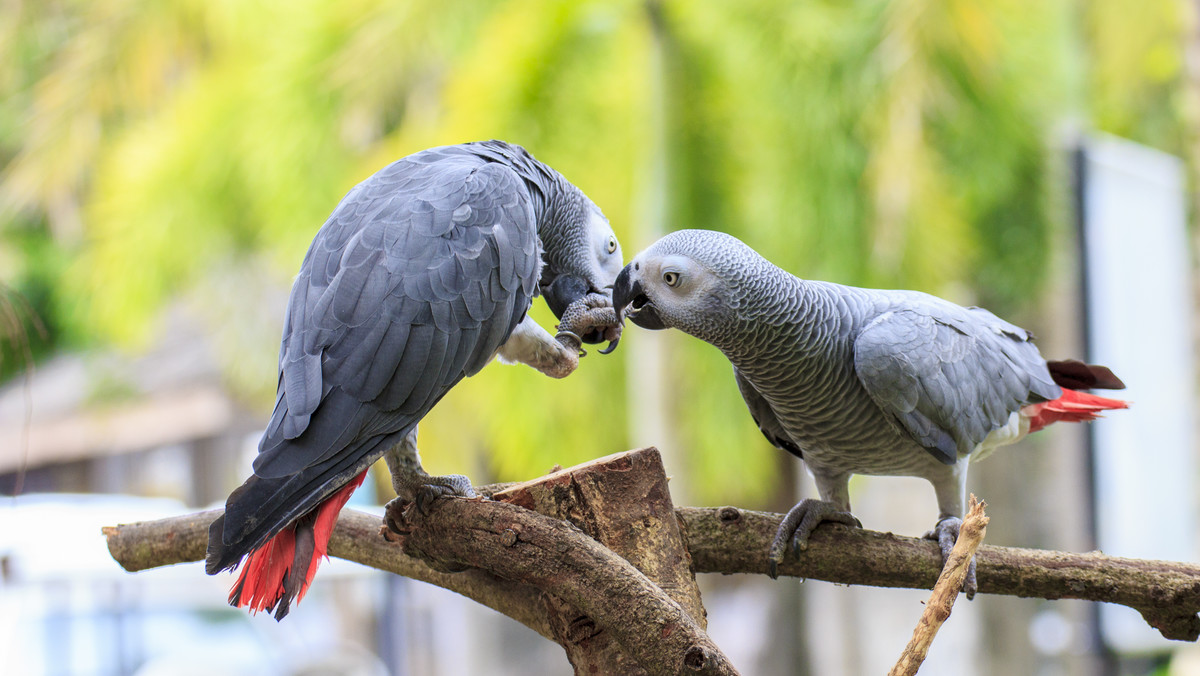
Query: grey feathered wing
x,y
949,375
420,274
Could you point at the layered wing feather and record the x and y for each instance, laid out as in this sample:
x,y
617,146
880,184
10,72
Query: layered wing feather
x,y
416,279
949,375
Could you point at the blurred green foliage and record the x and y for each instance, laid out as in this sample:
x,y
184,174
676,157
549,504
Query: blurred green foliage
x,y
189,150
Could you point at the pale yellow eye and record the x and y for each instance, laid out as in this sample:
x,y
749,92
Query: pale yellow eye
x,y
671,278
612,244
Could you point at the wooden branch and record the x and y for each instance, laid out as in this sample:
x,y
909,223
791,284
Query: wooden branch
x,y
151,544
731,540
950,582
182,539
535,555
1166,593
556,557
622,501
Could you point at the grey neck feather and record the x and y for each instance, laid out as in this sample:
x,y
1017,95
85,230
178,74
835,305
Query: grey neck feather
x,y
769,312
547,188
557,204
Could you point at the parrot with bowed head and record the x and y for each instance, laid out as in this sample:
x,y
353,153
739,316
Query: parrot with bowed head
x,y
421,276
858,381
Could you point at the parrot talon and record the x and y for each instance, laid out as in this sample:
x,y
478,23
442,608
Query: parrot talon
x,y
425,497
390,535
945,533
590,319
452,485
394,520
612,345
799,524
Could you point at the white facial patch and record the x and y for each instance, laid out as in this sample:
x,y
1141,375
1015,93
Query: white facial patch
x,y
605,246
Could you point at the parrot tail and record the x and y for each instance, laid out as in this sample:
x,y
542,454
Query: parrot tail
x,y
280,571
1072,406
1076,375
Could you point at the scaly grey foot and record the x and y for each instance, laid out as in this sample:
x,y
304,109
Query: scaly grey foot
x,y
799,524
945,533
590,319
421,490
424,489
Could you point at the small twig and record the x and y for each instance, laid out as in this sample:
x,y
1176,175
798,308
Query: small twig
x,y
950,582
14,331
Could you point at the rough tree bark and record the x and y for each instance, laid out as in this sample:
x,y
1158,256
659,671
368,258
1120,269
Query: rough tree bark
x,y
516,556
622,502
1166,593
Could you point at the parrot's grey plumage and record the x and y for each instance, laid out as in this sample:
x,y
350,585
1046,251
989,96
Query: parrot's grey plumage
x,y
421,276
854,381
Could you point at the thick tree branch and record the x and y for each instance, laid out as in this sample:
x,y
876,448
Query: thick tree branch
x,y
730,540
182,539
623,502
558,558
542,556
1167,594
719,540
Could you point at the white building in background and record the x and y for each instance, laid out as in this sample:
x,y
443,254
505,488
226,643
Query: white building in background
x,y
1140,303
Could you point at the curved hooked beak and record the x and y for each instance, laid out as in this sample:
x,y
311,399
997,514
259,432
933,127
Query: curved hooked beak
x,y
561,291
628,292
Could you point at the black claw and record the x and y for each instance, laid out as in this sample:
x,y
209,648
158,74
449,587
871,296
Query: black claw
x,y
612,345
393,516
424,490
426,495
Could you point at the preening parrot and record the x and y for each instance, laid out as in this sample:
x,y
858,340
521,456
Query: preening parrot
x,y
421,276
858,381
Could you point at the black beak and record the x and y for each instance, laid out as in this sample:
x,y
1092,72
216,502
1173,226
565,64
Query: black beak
x,y
625,291
563,291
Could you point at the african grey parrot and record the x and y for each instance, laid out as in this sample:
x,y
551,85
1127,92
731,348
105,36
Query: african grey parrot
x,y
857,381
421,275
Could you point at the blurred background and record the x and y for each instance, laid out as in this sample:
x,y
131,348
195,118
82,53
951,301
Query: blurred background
x,y
164,166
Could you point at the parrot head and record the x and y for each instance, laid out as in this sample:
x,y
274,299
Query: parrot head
x,y
582,255
696,281
706,283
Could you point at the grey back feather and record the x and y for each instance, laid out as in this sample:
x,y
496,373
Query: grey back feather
x,y
415,280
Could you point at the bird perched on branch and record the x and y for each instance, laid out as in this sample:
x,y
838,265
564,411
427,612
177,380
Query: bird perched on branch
x,y
858,381
421,276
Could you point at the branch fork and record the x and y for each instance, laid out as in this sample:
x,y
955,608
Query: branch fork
x,y
597,558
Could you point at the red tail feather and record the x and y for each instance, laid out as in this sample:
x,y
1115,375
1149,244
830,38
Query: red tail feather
x,y
1072,406
261,583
